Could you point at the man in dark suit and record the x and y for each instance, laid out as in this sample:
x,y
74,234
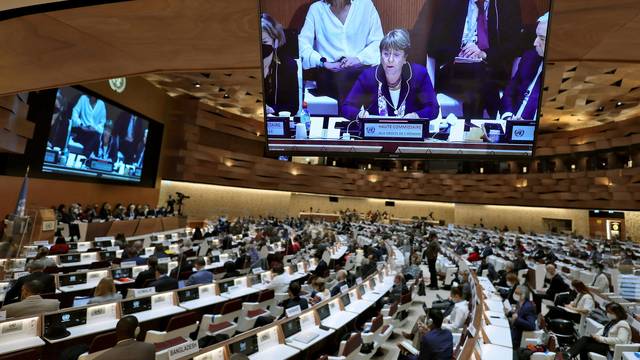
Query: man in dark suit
x,y
436,343
127,347
294,299
163,281
474,43
521,96
47,280
148,275
341,276
556,283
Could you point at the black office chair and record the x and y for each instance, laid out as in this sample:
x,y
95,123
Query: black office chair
x,y
563,330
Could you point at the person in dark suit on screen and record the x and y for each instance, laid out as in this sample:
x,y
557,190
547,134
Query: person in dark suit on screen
x,y
280,70
129,129
474,43
107,146
520,98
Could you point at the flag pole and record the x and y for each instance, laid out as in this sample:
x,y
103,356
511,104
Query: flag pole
x,y
24,222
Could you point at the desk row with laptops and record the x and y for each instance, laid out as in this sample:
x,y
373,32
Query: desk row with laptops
x,y
84,321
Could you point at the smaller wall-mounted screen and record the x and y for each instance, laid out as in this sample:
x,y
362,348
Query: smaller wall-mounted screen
x,y
91,137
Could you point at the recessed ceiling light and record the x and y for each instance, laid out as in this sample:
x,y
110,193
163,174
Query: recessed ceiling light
x,y
619,103
196,84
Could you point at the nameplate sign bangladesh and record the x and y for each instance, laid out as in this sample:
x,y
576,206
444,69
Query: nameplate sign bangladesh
x,y
181,351
400,130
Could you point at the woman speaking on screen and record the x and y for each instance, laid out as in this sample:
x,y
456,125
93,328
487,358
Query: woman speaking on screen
x,y
395,88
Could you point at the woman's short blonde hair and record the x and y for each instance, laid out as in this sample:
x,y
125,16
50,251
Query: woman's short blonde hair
x,y
272,28
105,287
397,39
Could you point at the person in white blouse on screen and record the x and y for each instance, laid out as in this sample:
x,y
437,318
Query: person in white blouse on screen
x,y
340,37
87,120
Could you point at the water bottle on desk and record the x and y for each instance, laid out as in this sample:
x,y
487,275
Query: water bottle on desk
x,y
305,118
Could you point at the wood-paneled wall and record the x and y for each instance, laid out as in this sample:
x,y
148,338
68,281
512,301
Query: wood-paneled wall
x,y
15,129
200,159
602,137
45,193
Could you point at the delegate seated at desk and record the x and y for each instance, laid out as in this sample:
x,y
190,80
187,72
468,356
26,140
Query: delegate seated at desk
x,y
163,281
556,286
105,292
395,88
107,146
128,348
525,318
436,343
32,303
460,311
201,276
36,273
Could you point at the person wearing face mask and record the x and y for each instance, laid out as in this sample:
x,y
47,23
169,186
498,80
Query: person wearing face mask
x,y
616,331
512,284
525,318
395,88
600,281
460,311
280,70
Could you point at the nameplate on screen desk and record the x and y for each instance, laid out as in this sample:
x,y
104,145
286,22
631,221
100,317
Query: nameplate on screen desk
x,y
275,128
3,315
359,280
523,132
181,351
127,264
293,311
113,248
344,288
257,270
381,130
41,243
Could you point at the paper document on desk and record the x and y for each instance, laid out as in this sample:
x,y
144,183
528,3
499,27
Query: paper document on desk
x,y
406,345
466,60
507,306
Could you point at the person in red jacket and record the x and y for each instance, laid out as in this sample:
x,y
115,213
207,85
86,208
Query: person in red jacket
x,y
475,255
60,247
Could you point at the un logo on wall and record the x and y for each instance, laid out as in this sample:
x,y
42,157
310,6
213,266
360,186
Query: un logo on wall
x,y
519,133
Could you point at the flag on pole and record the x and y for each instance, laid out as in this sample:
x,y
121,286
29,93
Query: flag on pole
x,y
22,198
